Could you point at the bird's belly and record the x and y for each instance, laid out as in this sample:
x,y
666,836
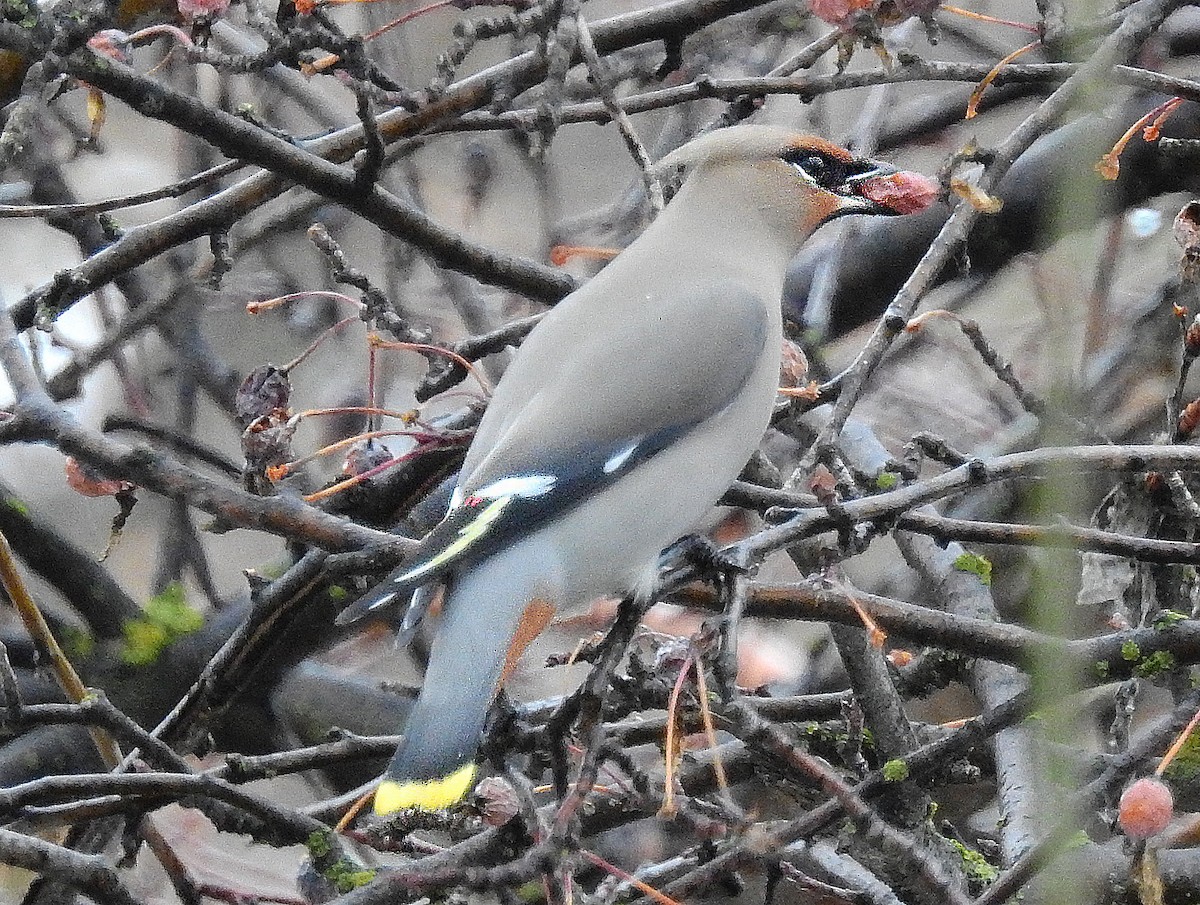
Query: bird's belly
x,y
609,544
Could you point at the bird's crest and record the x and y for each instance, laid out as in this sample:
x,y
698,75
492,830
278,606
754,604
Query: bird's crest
x,y
744,143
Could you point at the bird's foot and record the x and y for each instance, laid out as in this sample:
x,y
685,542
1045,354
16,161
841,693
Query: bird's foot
x,y
713,563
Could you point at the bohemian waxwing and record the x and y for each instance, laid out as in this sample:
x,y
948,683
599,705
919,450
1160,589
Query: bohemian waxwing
x,y
625,415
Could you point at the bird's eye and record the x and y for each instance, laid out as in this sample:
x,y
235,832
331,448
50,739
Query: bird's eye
x,y
822,170
816,167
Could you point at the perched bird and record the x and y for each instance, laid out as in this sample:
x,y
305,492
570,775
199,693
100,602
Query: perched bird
x,y
625,415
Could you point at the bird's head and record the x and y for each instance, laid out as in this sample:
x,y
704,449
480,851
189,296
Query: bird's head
x,y
797,181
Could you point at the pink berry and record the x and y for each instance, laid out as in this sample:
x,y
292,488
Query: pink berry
x,y
1146,808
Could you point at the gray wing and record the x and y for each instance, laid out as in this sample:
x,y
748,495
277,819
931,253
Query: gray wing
x,y
591,396
597,375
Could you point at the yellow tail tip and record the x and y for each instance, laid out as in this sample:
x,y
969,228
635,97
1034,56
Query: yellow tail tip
x,y
428,795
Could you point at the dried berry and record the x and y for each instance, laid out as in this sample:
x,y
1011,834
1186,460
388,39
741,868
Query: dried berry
x,y
1191,337
1189,418
86,480
202,9
363,457
902,193
824,486
898,657
266,444
265,391
793,368
1187,234
497,800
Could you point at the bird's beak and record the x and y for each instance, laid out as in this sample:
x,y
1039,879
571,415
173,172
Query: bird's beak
x,y
882,189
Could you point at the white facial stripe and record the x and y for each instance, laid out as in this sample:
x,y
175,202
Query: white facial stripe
x,y
805,176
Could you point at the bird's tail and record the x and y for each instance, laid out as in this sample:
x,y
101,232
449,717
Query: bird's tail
x,y
491,611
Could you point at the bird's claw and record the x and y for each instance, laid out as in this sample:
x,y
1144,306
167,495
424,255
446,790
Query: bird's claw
x,y
714,563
